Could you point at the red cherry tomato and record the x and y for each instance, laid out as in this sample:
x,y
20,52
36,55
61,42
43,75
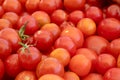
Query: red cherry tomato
x,y
96,43
67,43
43,40
112,74
72,5
5,48
29,57
12,65
12,6
31,26
12,36
50,5
109,28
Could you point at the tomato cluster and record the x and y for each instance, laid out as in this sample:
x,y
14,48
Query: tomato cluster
x,y
59,40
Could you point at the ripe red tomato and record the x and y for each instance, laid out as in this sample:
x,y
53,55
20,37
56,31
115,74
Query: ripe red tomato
x,y
104,62
113,11
41,17
55,67
112,74
79,4
76,16
53,28
32,5
1,11
67,43
109,28
12,65
43,40
24,75
12,17
93,76
80,64
75,34
4,23
94,13
96,43
31,26
29,57
114,47
2,69
12,36
5,48
50,5
12,6
59,16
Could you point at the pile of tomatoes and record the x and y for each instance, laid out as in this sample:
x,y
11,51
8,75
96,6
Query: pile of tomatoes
x,y
59,40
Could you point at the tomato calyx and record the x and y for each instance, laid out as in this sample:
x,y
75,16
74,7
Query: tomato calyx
x,y
22,31
24,46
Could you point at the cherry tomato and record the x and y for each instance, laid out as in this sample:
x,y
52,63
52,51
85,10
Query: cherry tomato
x,y
24,75
112,74
55,67
12,36
50,5
5,48
12,6
4,23
104,62
76,16
59,16
31,26
29,57
67,43
80,64
43,40
96,43
12,65
75,34
41,17
109,28
79,4
32,5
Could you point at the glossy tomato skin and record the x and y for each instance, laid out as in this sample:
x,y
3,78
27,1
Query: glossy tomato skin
x,y
12,17
2,69
96,43
94,13
1,11
76,16
12,65
80,64
12,36
5,48
29,58
4,23
93,76
79,4
67,43
112,74
50,5
59,16
55,67
113,11
32,5
12,6
26,75
32,25
114,47
104,62
43,40
75,34
109,28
